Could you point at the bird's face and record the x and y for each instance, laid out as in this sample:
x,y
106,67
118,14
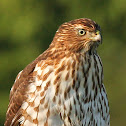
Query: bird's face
x,y
80,35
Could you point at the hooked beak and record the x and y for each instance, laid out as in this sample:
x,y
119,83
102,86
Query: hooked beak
x,y
96,37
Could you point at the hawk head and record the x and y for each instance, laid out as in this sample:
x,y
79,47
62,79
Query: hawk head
x,y
79,35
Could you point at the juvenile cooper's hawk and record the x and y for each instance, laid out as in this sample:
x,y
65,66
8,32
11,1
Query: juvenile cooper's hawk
x,y
64,85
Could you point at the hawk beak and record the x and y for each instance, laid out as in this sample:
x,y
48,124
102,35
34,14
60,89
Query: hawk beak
x,y
96,37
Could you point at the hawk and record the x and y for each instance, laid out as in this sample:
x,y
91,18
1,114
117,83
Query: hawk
x,y
64,85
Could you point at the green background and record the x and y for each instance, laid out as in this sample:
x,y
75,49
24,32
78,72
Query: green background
x,y
27,28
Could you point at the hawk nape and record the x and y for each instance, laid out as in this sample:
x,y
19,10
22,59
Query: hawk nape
x,y
64,85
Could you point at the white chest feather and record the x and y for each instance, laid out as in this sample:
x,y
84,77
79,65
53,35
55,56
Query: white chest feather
x,y
70,93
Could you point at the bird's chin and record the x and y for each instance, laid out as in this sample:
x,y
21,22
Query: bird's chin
x,y
91,47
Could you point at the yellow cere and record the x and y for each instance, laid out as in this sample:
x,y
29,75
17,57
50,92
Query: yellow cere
x,y
97,32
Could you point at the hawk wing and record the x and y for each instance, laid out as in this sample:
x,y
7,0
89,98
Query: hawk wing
x,y
18,90
17,96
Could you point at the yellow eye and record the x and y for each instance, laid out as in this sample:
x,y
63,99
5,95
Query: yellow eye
x,y
81,32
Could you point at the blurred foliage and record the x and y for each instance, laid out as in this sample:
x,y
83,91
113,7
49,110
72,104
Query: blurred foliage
x,y
27,27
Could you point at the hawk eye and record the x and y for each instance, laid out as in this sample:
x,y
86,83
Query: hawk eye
x,y
81,32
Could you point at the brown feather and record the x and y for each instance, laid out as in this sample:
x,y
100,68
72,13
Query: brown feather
x,y
65,42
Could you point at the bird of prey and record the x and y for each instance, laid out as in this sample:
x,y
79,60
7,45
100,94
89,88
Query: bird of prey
x,y
64,85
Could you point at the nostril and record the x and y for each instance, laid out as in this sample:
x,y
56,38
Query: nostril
x,y
97,32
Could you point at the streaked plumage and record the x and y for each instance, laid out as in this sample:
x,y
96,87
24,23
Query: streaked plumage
x,y
64,85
